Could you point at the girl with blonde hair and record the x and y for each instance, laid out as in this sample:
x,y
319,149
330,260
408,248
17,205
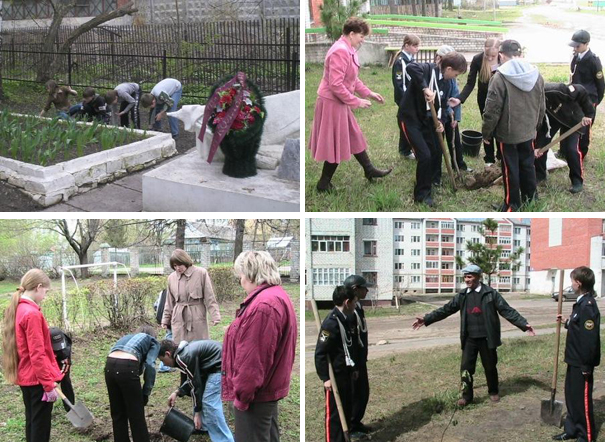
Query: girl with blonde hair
x,y
484,65
28,359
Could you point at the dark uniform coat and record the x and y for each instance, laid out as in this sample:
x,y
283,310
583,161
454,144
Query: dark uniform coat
x,y
589,73
567,104
583,344
399,75
492,304
329,343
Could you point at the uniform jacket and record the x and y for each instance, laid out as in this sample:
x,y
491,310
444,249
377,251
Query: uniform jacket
x,y
97,109
197,360
515,106
400,76
189,296
37,364
329,343
589,73
492,304
567,104
340,82
583,344
357,323
413,105
146,348
473,74
259,348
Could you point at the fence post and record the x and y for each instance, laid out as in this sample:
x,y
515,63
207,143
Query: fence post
x,y
69,66
134,261
205,260
164,65
288,57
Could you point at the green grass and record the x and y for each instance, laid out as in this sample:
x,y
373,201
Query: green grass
x,y
505,15
412,396
394,193
380,312
419,24
89,353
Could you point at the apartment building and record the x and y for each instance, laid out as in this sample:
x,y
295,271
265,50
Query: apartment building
x,y
406,255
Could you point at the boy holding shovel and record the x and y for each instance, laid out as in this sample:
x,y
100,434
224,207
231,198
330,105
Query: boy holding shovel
x,y
582,355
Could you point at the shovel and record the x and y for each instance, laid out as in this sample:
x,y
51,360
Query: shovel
x,y
446,154
79,415
551,410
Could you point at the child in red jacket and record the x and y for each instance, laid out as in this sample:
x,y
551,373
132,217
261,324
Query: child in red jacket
x,y
28,357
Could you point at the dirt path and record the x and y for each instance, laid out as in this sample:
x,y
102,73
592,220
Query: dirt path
x,y
546,30
400,338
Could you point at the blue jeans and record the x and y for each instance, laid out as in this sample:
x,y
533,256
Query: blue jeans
x,y
174,123
163,367
76,108
213,419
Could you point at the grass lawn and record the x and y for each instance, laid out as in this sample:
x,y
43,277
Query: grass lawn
x,y
412,396
89,353
505,14
395,192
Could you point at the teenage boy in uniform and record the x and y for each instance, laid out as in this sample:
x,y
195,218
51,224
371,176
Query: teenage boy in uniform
x,y
586,70
357,322
479,306
514,110
336,341
566,106
582,355
428,82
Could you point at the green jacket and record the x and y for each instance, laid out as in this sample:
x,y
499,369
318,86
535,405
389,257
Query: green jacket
x,y
492,303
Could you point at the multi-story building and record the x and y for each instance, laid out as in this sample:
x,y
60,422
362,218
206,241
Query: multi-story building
x,y
406,255
566,243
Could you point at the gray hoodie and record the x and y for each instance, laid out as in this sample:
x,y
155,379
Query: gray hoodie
x,y
515,104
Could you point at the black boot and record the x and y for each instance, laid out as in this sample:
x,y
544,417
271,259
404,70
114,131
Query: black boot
x,y
324,184
370,171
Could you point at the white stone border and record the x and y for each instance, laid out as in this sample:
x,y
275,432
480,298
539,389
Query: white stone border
x,y
52,184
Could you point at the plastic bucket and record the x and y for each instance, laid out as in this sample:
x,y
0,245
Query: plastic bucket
x,y
471,142
177,425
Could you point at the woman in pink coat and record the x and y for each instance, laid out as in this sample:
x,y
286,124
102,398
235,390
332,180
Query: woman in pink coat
x,y
336,134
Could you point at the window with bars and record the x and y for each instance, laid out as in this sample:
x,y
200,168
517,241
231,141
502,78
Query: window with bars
x,y
330,276
322,243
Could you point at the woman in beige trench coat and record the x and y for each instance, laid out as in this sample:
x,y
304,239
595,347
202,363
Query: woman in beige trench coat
x,y
189,297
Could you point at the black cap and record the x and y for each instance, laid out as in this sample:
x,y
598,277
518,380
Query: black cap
x,y
355,281
510,47
579,37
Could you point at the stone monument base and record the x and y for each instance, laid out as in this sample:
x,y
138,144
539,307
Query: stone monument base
x,y
189,184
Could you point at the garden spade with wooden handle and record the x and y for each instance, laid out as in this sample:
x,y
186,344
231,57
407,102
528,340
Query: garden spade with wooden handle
x,y
341,412
551,410
79,415
446,155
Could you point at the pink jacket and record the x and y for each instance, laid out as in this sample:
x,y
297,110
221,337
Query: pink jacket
x,y
258,348
340,82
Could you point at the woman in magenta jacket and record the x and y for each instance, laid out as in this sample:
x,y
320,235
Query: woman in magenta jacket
x,y
258,349
28,358
335,134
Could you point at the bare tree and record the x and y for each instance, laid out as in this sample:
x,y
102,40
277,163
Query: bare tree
x,y
179,237
47,66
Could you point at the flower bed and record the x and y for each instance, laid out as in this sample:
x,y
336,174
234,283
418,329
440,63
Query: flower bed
x,y
61,166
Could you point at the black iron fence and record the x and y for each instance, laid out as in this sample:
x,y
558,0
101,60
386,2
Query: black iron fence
x,y
197,54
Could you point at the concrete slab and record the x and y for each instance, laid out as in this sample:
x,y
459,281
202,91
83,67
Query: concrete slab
x,y
189,184
122,200
133,182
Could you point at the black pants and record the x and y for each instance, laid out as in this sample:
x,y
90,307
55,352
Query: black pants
x,y
489,148
489,360
585,140
134,111
68,390
570,149
404,145
423,140
454,145
258,423
361,395
37,414
518,174
332,424
126,400
578,400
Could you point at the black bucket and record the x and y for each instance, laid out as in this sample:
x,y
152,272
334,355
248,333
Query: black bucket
x,y
177,425
471,142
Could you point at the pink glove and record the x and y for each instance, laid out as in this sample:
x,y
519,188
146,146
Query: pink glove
x,y
50,396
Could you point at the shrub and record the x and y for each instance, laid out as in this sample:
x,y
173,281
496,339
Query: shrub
x,y
226,285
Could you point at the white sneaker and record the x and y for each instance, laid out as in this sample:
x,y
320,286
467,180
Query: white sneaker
x,y
489,164
410,156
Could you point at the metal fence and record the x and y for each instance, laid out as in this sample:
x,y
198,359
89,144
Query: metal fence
x,y
197,54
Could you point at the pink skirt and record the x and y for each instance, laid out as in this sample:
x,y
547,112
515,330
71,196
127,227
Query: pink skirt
x,y
335,135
